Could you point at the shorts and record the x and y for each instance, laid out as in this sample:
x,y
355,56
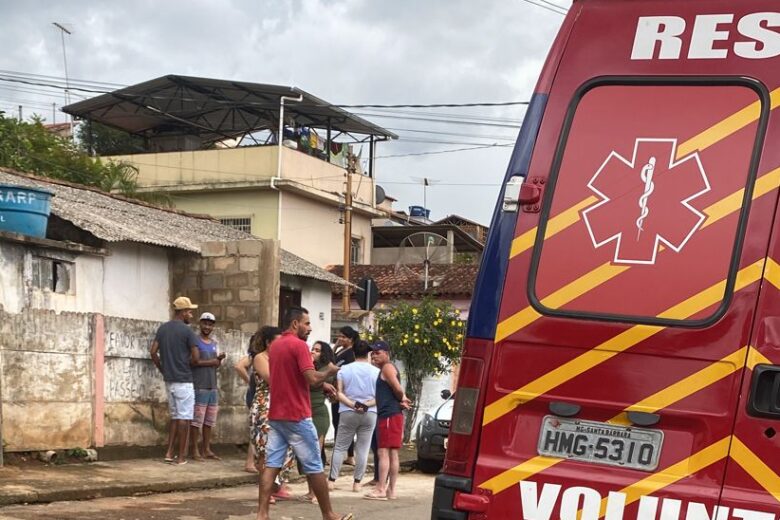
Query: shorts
x,y
301,436
181,400
206,408
390,431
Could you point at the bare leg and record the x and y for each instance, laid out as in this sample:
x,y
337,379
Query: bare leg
x,y
207,443
171,439
384,469
194,442
266,488
319,484
395,467
249,464
310,493
182,430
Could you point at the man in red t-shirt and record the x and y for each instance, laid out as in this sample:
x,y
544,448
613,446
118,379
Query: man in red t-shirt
x,y
292,375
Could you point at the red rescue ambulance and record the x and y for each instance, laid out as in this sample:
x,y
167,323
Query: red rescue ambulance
x,y
623,349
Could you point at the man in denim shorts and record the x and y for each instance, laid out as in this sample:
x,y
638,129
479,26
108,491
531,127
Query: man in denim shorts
x,y
292,376
174,349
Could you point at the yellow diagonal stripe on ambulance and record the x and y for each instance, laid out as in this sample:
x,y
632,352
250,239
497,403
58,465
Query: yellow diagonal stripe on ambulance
x,y
698,461
605,272
658,401
702,141
617,344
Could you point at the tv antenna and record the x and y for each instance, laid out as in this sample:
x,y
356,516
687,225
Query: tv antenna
x,y
426,181
424,249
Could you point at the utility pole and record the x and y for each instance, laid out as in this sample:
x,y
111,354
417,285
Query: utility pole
x,y
63,30
20,113
351,168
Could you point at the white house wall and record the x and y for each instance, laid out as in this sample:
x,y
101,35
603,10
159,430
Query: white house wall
x,y
136,282
11,276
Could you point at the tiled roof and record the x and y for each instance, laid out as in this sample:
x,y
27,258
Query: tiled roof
x,y
114,218
445,280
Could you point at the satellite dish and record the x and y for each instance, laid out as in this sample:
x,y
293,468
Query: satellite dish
x,y
381,196
422,249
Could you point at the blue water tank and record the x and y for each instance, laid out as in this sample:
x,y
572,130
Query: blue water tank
x,y
24,210
419,211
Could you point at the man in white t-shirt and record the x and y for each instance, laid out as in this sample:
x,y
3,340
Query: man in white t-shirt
x,y
357,412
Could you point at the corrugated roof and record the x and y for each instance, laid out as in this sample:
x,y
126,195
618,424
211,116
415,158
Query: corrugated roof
x,y
116,219
213,109
445,280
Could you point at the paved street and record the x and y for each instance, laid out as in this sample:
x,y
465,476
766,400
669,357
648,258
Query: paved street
x,y
415,492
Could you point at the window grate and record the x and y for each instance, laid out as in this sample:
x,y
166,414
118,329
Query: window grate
x,y
240,223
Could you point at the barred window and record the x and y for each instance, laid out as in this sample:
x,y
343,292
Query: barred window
x,y
239,223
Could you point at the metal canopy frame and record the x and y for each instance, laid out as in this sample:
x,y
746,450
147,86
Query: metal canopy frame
x,y
214,110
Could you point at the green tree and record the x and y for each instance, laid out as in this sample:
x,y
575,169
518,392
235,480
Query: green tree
x,y
426,337
30,148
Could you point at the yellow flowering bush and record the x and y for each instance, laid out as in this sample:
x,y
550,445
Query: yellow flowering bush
x,y
426,337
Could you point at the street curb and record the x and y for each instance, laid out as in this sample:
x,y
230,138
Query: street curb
x,y
120,490
116,489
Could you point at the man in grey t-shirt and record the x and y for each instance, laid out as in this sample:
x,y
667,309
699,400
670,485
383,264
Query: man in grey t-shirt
x,y
173,351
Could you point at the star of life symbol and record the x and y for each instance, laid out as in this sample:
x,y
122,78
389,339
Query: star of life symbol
x,y
646,202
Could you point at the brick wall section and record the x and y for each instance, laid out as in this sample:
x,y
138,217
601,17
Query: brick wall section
x,y
237,281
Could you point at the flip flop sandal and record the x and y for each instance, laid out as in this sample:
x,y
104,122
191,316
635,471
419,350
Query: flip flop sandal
x,y
348,516
374,496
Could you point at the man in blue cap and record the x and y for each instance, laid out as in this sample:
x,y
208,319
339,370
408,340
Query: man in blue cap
x,y
390,402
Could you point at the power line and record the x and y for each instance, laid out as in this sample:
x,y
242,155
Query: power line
x,y
495,145
554,5
441,105
543,6
20,77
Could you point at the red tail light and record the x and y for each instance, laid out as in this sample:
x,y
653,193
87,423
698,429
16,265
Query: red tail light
x,y
467,412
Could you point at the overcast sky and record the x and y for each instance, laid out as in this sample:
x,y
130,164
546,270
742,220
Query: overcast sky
x,y
343,51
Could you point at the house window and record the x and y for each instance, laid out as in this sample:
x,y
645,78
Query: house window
x,y
288,298
53,275
240,223
354,252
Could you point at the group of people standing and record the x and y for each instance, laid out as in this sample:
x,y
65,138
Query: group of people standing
x,y
290,386
189,363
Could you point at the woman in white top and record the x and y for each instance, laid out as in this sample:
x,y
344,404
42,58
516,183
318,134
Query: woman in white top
x,y
357,395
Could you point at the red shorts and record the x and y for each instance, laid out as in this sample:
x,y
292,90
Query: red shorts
x,y
390,431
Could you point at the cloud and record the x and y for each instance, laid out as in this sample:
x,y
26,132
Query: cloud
x,y
343,51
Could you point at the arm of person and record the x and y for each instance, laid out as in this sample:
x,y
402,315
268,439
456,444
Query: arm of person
x,y
154,352
262,368
195,360
242,368
390,376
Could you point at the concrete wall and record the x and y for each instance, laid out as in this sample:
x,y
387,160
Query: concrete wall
x,y
79,380
242,164
135,405
316,297
312,231
46,379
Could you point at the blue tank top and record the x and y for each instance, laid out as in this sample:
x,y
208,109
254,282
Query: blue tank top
x,y
386,402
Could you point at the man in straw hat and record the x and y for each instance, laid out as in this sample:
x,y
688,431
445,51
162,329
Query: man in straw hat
x,y
173,351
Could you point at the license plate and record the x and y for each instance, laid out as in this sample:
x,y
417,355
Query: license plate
x,y
600,443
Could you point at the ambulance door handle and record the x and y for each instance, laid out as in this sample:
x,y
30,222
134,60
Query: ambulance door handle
x,y
765,392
